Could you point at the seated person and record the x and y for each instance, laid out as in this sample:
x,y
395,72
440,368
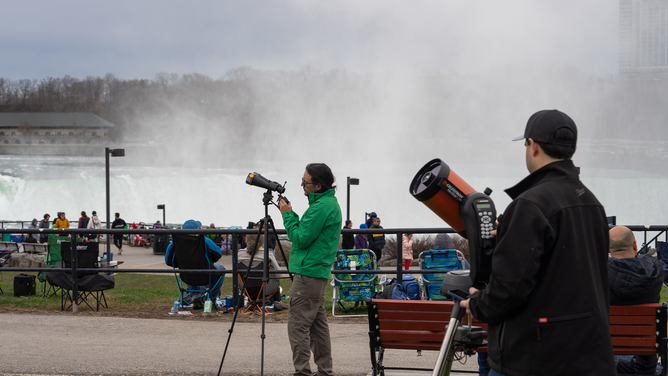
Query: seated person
x,y
214,255
634,279
272,288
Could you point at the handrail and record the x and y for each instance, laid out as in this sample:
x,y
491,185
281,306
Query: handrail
x,y
662,229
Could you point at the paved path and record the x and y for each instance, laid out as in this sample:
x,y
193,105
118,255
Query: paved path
x,y
75,344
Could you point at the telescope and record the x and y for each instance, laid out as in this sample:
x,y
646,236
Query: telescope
x,y
258,180
472,214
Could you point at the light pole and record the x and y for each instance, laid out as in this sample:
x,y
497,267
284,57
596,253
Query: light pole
x,y
162,206
351,181
107,153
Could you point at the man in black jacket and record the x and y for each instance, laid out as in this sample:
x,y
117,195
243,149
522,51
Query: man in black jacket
x,y
634,279
376,241
118,224
547,301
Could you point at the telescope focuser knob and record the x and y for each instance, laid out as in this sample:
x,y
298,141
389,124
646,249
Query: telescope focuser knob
x,y
488,191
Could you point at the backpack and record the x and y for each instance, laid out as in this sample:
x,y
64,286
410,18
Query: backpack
x,y
398,293
411,287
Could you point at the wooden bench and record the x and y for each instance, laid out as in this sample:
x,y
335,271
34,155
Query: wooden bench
x,y
420,325
9,245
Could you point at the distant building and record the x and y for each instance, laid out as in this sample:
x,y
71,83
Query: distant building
x,y
643,38
53,128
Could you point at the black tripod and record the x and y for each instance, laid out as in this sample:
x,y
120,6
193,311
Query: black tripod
x,y
265,223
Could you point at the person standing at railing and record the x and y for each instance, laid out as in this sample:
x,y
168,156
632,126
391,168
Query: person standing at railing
x,y
44,224
348,241
376,241
96,224
360,239
315,239
118,224
62,222
407,250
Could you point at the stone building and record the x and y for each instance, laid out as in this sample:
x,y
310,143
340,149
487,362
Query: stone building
x,y
53,128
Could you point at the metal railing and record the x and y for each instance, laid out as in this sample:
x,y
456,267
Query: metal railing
x,y
651,232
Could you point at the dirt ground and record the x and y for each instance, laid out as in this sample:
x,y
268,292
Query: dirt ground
x,y
162,312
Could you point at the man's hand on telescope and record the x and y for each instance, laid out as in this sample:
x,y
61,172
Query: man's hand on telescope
x,y
465,303
283,207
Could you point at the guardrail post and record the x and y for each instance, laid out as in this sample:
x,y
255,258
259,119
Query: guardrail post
x,y
234,246
75,277
400,247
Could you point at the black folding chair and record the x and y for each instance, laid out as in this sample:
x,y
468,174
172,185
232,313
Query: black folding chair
x,y
189,252
91,285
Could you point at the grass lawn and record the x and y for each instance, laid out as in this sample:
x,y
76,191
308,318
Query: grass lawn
x,y
132,292
136,292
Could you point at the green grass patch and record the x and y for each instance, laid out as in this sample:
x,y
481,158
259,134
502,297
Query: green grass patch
x,y
133,291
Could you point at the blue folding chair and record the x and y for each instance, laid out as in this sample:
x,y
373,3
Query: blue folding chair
x,y
353,287
438,260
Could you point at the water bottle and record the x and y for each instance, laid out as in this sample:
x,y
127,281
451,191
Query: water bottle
x,y
175,309
245,301
207,306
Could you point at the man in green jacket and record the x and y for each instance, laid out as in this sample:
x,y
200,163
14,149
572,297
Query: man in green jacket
x,y
315,239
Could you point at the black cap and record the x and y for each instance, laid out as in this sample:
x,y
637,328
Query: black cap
x,y
543,124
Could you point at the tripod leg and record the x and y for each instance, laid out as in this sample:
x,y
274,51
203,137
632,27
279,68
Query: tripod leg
x,y
273,228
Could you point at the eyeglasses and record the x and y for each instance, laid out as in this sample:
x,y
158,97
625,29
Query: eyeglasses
x,y
305,183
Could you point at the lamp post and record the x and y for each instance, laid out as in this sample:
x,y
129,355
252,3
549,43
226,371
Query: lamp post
x,y
351,181
107,153
162,206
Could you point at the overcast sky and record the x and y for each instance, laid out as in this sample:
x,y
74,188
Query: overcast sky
x,y
137,39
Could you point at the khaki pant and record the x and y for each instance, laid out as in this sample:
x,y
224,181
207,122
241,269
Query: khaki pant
x,y
307,326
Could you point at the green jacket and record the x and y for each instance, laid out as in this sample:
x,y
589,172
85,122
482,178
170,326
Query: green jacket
x,y
315,239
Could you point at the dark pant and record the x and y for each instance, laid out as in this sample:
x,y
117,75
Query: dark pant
x,y
118,241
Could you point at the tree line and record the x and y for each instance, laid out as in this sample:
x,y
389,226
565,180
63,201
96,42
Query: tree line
x,y
257,104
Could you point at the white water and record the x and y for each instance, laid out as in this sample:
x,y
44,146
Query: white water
x,y
32,186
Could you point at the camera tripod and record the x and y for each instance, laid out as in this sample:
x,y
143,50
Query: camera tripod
x,y
469,337
265,224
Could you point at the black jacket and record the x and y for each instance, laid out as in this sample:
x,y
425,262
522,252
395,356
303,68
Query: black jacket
x,y
348,241
635,280
547,301
376,241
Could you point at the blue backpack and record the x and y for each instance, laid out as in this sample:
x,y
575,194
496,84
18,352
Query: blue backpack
x,y
410,287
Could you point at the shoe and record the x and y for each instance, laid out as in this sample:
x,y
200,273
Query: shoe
x,y
278,306
120,251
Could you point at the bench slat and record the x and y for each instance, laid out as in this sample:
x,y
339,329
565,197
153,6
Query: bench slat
x,y
634,342
634,310
414,325
633,320
636,330
633,351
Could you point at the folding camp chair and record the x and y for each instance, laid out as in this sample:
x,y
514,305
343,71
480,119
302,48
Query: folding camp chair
x,y
353,287
253,285
189,252
51,259
91,285
441,260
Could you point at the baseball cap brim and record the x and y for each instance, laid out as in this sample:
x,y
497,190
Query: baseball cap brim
x,y
519,138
